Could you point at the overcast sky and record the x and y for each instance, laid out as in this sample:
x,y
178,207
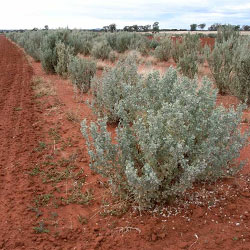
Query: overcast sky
x,y
19,14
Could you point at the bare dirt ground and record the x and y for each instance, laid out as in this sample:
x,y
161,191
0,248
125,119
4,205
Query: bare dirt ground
x,y
18,135
49,198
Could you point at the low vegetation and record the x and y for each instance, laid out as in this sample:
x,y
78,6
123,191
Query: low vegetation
x,y
170,134
177,136
229,63
81,72
163,50
113,88
101,50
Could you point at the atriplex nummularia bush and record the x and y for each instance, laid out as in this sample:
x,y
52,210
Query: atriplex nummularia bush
x,y
229,63
81,72
114,87
179,139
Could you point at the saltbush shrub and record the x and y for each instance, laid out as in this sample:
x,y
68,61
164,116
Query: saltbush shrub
x,y
48,50
230,63
30,41
82,42
188,64
113,88
186,45
180,139
124,41
153,44
211,35
112,56
240,85
81,72
226,32
33,43
64,55
177,50
141,44
163,51
187,53
48,53
101,50
221,64
111,39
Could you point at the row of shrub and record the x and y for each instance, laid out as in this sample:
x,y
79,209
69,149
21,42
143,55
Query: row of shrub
x,y
230,63
41,45
229,59
170,134
57,52
186,52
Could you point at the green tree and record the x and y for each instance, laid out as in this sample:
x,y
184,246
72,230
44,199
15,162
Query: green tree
x,y
193,27
156,27
246,27
202,26
214,27
146,27
126,28
112,27
106,28
237,27
135,28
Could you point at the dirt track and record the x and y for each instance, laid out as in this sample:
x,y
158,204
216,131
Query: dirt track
x,y
18,137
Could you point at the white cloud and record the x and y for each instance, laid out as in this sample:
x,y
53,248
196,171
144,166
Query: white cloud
x,y
17,14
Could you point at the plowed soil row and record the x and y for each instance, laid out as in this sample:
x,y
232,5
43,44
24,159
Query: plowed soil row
x,y
18,136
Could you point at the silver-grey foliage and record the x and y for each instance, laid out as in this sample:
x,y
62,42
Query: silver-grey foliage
x,y
115,86
186,52
101,50
241,77
230,66
177,137
81,72
64,54
163,51
221,64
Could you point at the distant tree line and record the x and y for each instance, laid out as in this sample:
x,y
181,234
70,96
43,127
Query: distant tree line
x,y
134,28
152,28
155,27
215,26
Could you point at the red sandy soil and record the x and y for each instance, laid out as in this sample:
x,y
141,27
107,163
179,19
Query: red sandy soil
x,y
211,216
207,41
204,40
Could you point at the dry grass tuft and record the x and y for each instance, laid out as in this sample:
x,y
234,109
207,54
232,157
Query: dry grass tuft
x,y
42,87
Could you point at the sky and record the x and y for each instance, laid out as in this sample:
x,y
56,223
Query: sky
x,y
179,14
